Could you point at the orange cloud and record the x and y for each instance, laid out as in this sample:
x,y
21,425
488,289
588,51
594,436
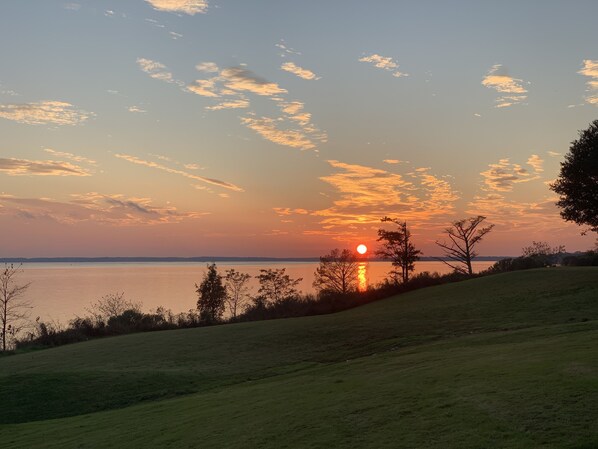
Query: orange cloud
x,y
190,7
503,83
19,167
383,62
211,181
115,210
298,71
590,69
44,112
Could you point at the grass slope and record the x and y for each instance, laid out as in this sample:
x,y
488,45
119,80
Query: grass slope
x,y
501,361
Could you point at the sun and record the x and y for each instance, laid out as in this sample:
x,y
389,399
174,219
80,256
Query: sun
x,y
362,249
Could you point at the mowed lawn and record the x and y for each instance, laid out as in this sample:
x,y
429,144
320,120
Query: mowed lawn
x,y
503,361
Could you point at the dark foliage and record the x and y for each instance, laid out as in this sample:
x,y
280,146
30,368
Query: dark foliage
x,y
212,296
577,183
337,273
397,247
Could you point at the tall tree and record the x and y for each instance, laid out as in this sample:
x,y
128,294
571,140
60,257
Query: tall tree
x,y
337,272
464,235
13,307
275,286
577,183
212,295
237,289
397,247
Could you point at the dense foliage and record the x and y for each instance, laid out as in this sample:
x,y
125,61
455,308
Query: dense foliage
x,y
577,183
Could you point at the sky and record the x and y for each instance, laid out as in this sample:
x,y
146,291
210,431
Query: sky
x,y
284,128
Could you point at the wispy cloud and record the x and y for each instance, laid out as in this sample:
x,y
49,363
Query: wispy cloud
x,y
190,7
554,154
536,162
590,69
136,109
19,167
233,104
286,50
299,71
503,175
243,80
268,129
151,164
157,70
392,161
385,63
207,67
44,112
115,210
511,89
70,156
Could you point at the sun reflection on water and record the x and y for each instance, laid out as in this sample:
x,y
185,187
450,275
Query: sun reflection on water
x,y
362,277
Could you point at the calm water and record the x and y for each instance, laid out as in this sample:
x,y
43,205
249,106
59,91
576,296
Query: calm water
x,y
59,291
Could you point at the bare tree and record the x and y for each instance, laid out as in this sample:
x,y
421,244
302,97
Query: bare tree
x,y
13,308
110,306
236,290
337,272
464,235
542,249
397,247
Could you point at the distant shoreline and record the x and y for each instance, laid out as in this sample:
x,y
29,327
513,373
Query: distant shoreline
x,y
195,259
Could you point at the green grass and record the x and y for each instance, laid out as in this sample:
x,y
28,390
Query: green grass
x,y
502,361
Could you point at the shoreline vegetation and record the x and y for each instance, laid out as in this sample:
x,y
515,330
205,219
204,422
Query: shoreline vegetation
x,y
114,314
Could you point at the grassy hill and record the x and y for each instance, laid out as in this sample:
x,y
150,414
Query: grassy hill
x,y
503,361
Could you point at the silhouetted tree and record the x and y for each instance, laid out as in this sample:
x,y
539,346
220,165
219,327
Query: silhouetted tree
x,y
397,247
236,290
275,286
541,249
212,295
337,272
577,183
13,308
110,306
464,235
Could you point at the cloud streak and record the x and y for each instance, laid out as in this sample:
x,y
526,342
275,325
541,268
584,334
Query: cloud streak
x,y
190,7
114,210
24,167
44,112
211,181
384,63
298,71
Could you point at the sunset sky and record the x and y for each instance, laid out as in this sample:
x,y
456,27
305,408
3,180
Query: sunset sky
x,y
286,128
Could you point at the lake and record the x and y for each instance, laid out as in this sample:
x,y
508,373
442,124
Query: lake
x,y
60,291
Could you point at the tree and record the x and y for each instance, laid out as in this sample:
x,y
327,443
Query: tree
x,y
541,249
236,290
212,296
110,306
13,308
275,286
577,183
464,235
337,272
397,247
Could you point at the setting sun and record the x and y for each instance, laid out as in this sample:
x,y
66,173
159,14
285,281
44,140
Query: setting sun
x,y
362,249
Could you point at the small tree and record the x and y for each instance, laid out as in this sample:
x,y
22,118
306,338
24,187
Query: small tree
x,y
577,183
541,249
13,308
397,247
212,295
236,290
337,272
111,306
275,286
464,235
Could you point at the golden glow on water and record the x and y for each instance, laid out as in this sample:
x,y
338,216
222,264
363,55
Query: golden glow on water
x,y
362,277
